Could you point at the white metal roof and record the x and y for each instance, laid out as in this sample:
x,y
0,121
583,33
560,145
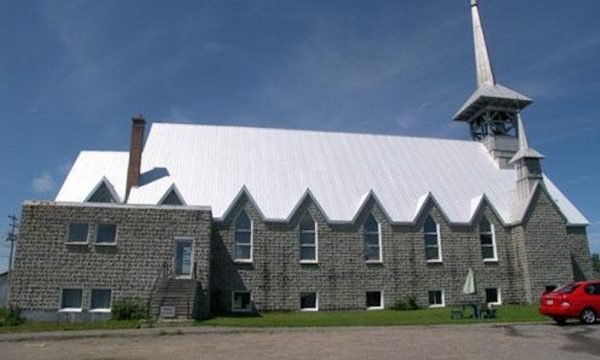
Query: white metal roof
x,y
213,165
487,93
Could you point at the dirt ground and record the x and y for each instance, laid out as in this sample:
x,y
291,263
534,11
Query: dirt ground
x,y
541,341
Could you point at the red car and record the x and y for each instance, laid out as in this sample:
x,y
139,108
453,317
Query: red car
x,y
580,300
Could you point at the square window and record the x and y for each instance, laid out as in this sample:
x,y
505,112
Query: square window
x,y
308,301
71,299
241,302
436,298
492,296
78,233
106,234
488,253
374,300
100,299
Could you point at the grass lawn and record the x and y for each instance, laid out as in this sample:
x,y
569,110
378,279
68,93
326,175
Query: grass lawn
x,y
506,313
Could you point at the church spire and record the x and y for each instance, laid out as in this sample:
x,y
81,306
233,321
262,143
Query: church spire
x,y
492,109
485,74
528,165
525,152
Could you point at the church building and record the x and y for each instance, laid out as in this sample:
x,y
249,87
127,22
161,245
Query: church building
x,y
199,219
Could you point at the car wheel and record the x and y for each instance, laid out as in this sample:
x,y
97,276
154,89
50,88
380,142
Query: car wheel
x,y
588,316
560,320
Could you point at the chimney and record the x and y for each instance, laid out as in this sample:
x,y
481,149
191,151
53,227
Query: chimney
x,y
135,153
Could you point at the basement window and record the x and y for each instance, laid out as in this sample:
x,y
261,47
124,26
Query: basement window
x,y
77,233
309,301
436,298
70,300
374,300
241,301
101,299
106,234
492,296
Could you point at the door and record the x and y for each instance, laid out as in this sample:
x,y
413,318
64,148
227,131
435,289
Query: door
x,y
183,258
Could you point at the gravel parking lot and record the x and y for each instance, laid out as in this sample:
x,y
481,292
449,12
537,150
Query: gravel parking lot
x,y
540,341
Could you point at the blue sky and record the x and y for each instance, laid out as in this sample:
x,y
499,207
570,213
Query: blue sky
x,y
73,73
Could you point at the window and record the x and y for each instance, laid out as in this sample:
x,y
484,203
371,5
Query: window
x,y
488,240
372,240
308,240
241,301
243,238
309,301
100,300
592,289
70,300
78,233
102,194
431,231
374,300
436,298
106,234
492,296
550,288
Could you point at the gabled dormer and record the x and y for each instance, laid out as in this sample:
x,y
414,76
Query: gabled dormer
x,y
104,192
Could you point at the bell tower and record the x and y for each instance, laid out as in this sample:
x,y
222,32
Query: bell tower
x,y
492,110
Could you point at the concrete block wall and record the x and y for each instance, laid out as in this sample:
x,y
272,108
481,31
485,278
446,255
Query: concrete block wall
x,y
45,263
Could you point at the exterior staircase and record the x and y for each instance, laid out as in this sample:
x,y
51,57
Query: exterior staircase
x,y
174,299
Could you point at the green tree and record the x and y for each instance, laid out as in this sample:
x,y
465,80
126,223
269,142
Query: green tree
x,y
596,262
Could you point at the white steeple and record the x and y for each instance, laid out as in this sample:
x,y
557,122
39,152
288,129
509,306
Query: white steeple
x,y
525,152
485,74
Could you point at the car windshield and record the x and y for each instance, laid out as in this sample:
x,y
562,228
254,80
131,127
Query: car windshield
x,y
566,289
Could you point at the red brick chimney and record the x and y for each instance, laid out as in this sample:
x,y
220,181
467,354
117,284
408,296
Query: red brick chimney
x,y
135,153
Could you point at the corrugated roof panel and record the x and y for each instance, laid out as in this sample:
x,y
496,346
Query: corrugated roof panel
x,y
210,165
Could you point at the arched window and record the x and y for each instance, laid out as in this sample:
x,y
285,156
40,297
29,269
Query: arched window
x,y
488,240
372,239
308,239
243,238
431,231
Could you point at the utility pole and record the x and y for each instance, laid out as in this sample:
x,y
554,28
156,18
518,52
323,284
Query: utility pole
x,y
12,237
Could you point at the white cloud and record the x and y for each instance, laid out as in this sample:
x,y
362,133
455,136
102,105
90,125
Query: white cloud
x,y
43,184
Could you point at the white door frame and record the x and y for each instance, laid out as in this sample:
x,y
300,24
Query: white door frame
x,y
180,239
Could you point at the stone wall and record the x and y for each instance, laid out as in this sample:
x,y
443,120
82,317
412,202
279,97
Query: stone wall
x,y
555,253
45,263
342,277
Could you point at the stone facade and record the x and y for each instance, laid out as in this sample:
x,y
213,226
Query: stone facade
x,y
46,263
525,264
542,251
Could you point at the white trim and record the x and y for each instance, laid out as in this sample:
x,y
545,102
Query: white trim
x,y
443,304
243,260
316,308
499,302
440,258
381,306
176,190
87,237
493,231
100,310
316,245
233,301
379,243
60,300
113,243
111,190
176,240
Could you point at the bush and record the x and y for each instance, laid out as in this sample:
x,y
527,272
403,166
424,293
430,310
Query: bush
x,y
11,316
129,309
408,303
